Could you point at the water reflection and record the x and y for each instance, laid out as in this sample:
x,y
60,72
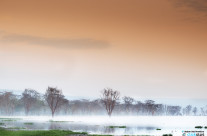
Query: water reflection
x,y
54,125
108,130
93,127
77,126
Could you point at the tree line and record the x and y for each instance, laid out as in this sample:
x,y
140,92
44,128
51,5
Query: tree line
x,y
53,102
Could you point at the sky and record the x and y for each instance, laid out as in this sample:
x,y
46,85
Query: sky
x,y
142,48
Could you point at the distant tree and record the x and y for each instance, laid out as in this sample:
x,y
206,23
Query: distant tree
x,y
127,102
173,110
203,112
96,106
195,110
184,111
109,99
188,109
1,101
139,107
150,106
65,106
54,98
159,109
29,98
8,101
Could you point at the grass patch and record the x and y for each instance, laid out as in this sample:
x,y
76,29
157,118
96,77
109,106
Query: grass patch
x,y
4,132
16,128
28,123
167,135
198,127
117,126
58,121
10,119
1,123
158,129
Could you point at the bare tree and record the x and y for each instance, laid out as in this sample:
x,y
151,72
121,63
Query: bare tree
x,y
127,102
8,101
54,98
64,106
203,112
150,106
139,107
29,98
188,109
109,99
195,110
173,110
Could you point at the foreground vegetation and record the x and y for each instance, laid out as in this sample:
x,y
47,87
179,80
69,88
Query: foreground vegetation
x,y
117,126
4,132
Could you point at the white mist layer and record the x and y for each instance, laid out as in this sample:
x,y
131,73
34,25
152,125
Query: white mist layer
x,y
168,124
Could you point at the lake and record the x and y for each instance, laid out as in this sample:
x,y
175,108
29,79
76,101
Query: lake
x,y
118,125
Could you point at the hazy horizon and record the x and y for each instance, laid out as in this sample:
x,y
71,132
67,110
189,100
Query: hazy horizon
x,y
168,101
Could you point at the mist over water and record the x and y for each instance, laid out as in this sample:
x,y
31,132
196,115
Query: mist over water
x,y
135,125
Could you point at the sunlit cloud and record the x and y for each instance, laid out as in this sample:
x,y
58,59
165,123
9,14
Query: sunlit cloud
x,y
54,42
197,8
197,5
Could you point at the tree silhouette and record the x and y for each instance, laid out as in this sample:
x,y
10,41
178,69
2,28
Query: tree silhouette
x,y
109,99
54,97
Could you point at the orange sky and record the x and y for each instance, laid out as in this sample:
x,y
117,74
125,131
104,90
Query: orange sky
x,y
142,48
